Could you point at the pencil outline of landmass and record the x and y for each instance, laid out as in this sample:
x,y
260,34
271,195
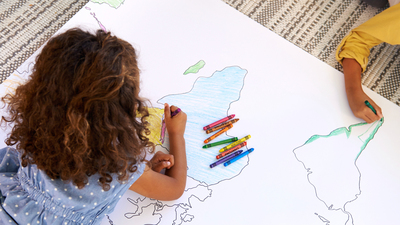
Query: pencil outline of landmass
x,y
333,133
159,205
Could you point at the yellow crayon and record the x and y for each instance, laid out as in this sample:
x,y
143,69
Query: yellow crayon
x,y
235,143
219,133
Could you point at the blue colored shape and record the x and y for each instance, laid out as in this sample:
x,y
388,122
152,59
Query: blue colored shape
x,y
207,102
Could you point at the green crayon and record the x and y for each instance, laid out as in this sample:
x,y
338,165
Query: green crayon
x,y
370,106
220,142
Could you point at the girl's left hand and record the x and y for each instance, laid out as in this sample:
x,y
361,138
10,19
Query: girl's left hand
x,y
161,161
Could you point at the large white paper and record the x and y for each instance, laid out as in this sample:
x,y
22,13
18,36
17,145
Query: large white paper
x,y
313,163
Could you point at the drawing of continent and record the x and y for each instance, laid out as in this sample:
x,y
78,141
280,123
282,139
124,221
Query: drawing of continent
x,y
207,101
331,165
150,211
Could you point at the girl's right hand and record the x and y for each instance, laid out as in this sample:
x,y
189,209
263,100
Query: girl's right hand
x,y
360,109
175,125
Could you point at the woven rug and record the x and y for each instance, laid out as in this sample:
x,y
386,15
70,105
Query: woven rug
x,y
25,25
317,26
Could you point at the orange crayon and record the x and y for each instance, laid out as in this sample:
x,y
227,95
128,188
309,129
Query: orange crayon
x,y
222,125
218,133
229,151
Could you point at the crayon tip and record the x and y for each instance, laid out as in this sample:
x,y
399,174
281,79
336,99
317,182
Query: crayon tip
x,y
227,163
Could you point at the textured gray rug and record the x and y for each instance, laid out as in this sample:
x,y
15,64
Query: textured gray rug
x,y
317,26
25,25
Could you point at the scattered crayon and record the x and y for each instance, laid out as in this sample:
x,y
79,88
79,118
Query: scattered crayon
x,y
219,121
238,157
221,125
231,156
220,142
229,151
163,126
219,133
235,143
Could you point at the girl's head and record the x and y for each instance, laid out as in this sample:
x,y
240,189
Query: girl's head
x,y
80,112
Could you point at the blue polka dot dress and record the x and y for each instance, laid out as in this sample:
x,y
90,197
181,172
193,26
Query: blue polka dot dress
x,y
28,196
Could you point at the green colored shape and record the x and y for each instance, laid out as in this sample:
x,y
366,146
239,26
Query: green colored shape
x,y
112,3
370,136
348,132
195,68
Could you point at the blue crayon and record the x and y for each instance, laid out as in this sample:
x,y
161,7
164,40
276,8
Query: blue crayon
x,y
238,157
228,157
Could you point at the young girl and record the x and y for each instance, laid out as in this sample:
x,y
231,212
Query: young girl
x,y
353,53
79,131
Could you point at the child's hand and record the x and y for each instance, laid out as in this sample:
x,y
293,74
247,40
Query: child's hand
x,y
355,94
357,104
161,161
175,125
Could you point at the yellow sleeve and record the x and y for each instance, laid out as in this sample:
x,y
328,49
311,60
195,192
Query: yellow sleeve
x,y
384,27
356,46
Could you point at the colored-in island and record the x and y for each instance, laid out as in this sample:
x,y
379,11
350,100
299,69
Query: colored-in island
x,y
195,68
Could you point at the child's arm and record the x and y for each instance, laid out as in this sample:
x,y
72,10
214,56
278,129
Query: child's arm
x,y
171,185
355,50
355,94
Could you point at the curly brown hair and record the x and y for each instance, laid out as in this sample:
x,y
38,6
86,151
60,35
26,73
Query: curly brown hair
x,y
80,112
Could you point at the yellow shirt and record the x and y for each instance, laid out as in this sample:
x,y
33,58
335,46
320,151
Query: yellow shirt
x,y
384,27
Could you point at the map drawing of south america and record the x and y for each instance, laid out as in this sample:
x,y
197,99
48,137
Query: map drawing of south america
x,y
331,165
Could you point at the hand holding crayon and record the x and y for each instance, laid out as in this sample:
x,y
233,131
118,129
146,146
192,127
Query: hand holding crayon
x,y
175,124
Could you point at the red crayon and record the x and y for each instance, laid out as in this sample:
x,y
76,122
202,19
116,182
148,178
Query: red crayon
x,y
219,133
218,122
222,125
229,151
